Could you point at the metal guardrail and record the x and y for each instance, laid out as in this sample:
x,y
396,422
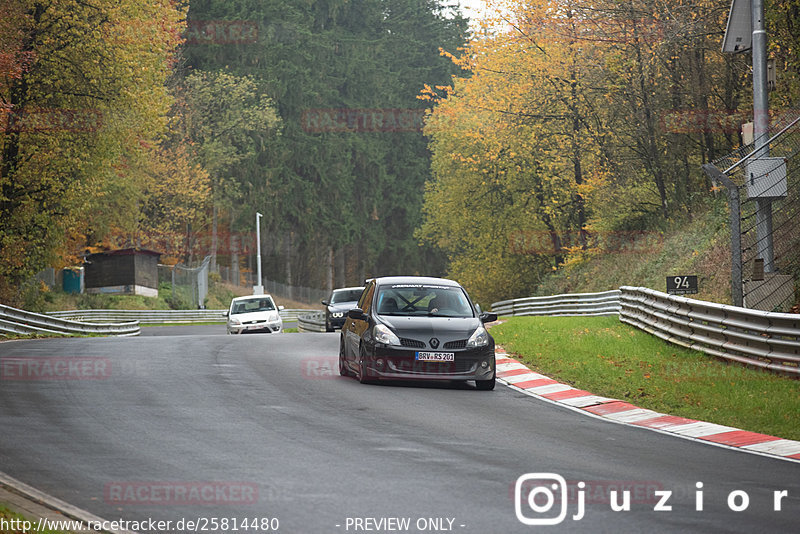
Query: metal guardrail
x,y
161,316
16,321
143,316
763,339
311,322
603,303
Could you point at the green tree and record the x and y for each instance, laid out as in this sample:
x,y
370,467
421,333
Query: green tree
x,y
227,122
327,193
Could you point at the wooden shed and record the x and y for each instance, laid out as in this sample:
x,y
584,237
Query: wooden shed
x,y
129,271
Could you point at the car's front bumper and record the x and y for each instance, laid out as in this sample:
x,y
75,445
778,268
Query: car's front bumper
x,y
400,363
255,328
334,323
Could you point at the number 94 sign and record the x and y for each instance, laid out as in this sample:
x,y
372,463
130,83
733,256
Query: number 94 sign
x,y
682,285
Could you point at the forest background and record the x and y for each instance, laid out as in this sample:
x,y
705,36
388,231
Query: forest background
x,y
554,131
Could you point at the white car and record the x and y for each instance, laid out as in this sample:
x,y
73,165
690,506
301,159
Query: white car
x,y
254,313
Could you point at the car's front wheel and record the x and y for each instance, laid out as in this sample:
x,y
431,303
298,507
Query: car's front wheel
x,y
362,366
343,370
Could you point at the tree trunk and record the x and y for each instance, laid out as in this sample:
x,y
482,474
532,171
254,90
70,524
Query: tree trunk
x,y
651,150
213,264
340,268
289,252
580,207
330,281
235,260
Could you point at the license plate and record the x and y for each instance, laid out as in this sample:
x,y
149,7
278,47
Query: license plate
x,y
255,327
436,356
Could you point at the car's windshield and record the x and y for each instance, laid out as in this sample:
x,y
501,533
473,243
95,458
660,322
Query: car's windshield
x,y
423,300
252,305
346,295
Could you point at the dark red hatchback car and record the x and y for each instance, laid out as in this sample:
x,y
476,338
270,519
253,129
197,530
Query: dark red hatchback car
x,y
411,327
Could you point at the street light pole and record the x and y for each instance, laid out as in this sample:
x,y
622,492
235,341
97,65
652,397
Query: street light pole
x,y
761,130
258,289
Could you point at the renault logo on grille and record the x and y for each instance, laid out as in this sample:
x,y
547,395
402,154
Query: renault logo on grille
x,y
434,342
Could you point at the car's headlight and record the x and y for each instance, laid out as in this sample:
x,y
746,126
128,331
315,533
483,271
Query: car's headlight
x,y
235,322
479,338
337,315
383,335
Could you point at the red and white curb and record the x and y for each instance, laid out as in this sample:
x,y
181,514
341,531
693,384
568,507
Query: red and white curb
x,y
517,376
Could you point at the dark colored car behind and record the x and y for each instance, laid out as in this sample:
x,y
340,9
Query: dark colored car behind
x,y
338,304
414,327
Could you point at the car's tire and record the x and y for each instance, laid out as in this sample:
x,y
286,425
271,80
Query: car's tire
x,y
343,370
362,374
485,385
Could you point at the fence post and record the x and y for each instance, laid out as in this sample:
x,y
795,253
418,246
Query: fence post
x,y
734,201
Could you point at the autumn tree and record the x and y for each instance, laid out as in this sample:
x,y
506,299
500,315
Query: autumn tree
x,y
576,121
83,83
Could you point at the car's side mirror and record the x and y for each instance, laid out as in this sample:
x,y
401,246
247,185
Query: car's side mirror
x,y
326,303
487,317
357,314
281,308
225,313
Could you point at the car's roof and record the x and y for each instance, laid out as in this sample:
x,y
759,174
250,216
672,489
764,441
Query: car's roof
x,y
348,288
424,280
251,297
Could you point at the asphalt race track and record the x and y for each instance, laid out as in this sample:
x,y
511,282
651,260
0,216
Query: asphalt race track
x,y
193,426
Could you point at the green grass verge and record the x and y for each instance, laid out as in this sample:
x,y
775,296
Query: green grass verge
x,y
612,359
11,336
15,519
692,245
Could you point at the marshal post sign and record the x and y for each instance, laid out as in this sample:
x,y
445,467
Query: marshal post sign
x,y
682,285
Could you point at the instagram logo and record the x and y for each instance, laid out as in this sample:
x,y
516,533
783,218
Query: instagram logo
x,y
536,496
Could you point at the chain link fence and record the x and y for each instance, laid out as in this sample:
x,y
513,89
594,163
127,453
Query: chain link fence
x,y
764,190
189,284
308,295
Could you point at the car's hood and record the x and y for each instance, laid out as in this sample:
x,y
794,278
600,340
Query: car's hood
x,y
419,327
342,306
256,316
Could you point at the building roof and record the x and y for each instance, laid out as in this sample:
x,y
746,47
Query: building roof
x,y
124,252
